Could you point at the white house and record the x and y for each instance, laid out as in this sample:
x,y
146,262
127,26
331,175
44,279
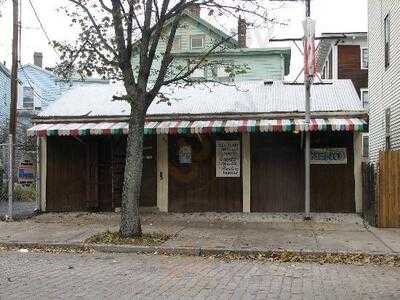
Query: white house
x,y
384,75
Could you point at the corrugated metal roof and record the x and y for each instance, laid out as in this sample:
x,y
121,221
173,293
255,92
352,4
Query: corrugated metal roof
x,y
244,97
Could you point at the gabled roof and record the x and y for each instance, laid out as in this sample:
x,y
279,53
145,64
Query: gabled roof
x,y
4,70
331,38
205,24
249,97
45,83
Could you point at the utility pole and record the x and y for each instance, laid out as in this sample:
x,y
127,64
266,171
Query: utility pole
x,y
307,83
13,109
309,72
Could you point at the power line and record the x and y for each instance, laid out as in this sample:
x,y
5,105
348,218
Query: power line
x,y
42,27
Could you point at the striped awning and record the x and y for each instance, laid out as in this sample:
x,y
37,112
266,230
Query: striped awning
x,y
208,126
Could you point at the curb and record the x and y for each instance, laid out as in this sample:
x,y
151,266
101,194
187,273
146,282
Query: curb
x,y
186,251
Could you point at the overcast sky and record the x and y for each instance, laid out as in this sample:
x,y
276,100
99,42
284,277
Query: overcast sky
x,y
330,15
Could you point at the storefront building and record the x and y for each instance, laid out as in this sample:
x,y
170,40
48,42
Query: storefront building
x,y
217,148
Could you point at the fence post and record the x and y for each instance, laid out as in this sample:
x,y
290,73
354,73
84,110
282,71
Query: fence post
x,y
10,179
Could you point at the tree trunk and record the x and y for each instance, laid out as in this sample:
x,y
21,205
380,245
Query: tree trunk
x,y
130,219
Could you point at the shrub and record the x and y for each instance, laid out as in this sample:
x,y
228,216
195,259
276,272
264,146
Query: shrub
x,y
25,192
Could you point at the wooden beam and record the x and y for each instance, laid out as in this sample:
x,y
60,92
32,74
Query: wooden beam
x,y
246,171
43,173
162,172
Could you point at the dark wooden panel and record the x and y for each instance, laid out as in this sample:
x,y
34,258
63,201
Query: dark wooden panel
x,y
349,57
66,165
194,187
277,173
332,186
149,175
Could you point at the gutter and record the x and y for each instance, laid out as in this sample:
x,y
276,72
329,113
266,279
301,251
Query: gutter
x,y
195,117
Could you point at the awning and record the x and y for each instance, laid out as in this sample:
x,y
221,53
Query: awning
x,y
207,126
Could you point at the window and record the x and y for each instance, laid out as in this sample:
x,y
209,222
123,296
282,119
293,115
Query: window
x,y
387,128
364,98
177,44
364,58
199,73
222,72
365,145
387,40
197,41
28,98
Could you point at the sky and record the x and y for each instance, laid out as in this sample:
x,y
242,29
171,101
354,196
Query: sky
x,y
330,16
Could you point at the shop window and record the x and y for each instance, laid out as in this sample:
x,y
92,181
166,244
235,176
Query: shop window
x,y
364,58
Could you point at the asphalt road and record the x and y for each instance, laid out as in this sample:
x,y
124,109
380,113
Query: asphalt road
x,y
69,276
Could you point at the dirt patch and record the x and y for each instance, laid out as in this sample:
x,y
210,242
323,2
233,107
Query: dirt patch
x,y
115,238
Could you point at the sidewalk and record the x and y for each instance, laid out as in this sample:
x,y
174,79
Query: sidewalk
x,y
216,231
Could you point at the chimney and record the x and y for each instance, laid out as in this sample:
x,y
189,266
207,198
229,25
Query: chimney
x,y
194,10
38,59
242,32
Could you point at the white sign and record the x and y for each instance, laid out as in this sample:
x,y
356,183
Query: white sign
x,y
328,156
185,155
227,158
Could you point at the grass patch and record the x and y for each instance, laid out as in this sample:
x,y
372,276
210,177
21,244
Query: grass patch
x,y
115,238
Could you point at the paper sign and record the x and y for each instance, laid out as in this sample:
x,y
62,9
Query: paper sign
x,y
227,158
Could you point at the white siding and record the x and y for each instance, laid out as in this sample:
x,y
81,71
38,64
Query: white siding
x,y
384,84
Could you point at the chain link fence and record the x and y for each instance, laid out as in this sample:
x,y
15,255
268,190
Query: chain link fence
x,y
24,202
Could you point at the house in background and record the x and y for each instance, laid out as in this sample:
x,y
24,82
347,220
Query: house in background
x,y
232,60
5,94
40,86
344,55
384,78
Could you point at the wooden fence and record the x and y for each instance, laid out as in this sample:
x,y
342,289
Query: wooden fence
x,y
388,189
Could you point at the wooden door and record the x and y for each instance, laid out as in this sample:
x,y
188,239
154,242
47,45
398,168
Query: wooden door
x,y
194,187
149,172
277,173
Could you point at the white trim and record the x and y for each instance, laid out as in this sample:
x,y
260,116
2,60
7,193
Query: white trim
x,y
43,173
162,172
335,62
362,90
357,145
246,171
361,58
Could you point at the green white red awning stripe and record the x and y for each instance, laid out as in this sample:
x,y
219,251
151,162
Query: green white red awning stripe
x,y
203,127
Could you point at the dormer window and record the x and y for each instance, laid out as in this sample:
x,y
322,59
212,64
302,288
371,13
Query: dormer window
x,y
364,58
28,98
197,41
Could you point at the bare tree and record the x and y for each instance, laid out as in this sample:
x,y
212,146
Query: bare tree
x,y
111,33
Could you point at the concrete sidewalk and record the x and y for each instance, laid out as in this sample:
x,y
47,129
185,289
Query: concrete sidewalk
x,y
217,231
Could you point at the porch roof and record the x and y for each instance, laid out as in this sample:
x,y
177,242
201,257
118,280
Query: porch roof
x,y
205,126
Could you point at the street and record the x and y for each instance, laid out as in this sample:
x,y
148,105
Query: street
x,y
48,275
